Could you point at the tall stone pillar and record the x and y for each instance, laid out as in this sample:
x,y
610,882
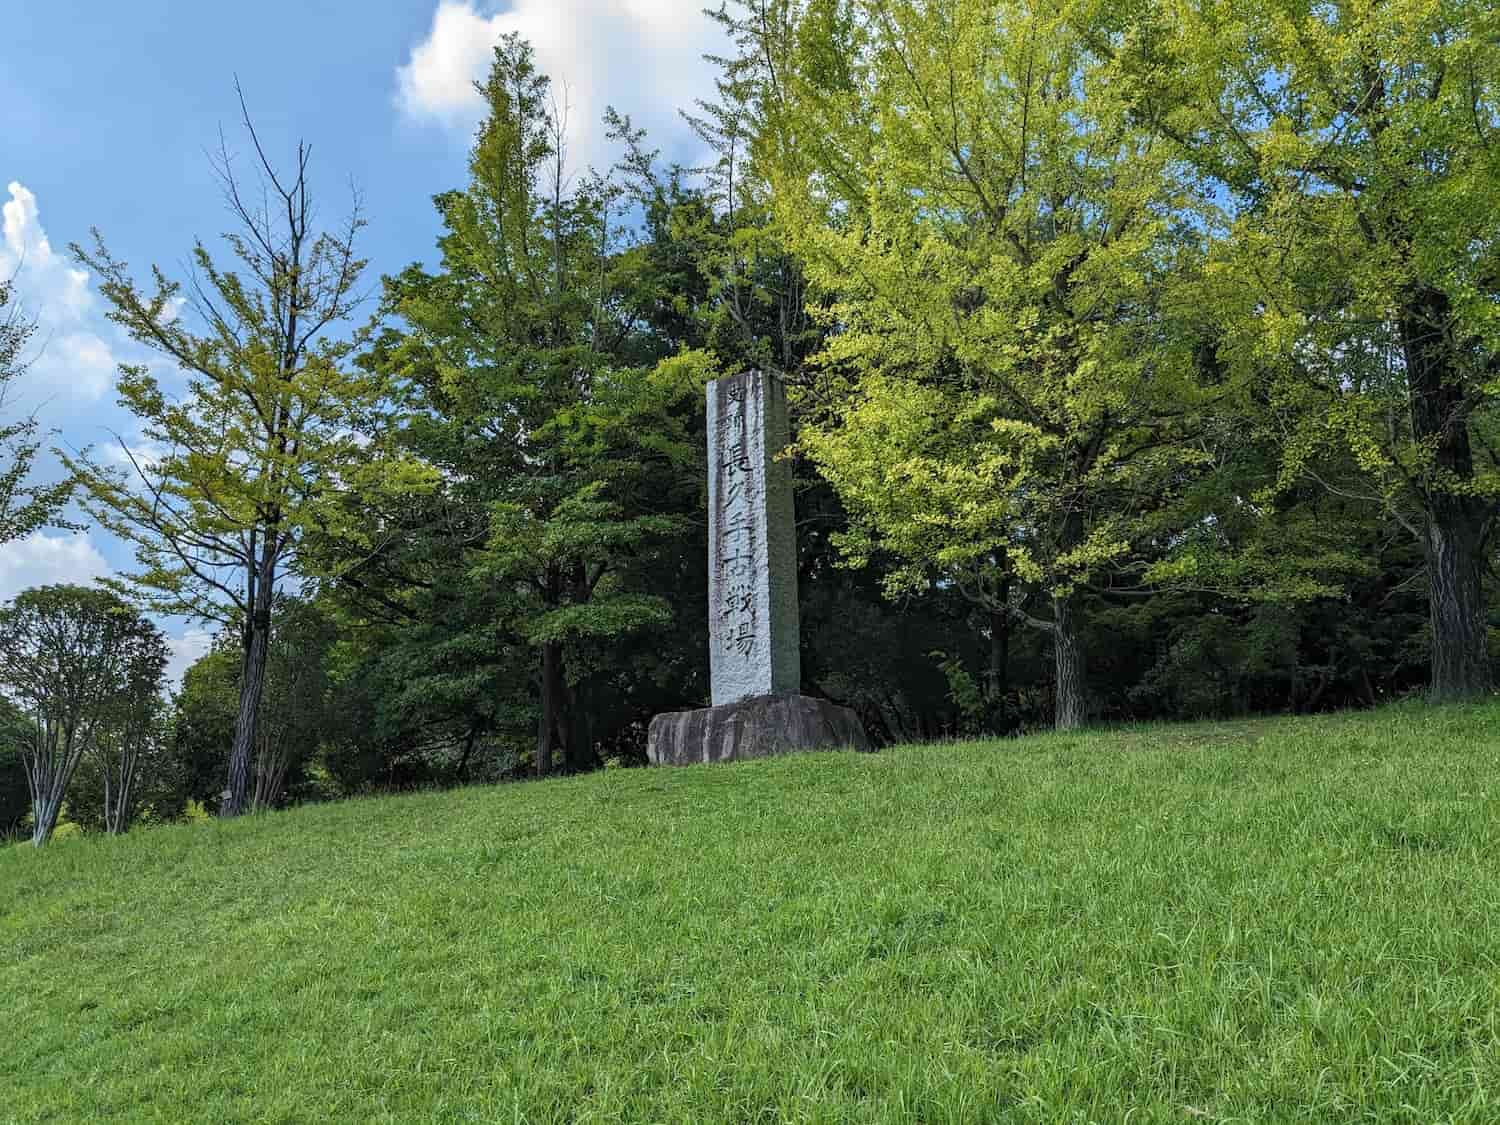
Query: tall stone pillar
x,y
754,661
752,549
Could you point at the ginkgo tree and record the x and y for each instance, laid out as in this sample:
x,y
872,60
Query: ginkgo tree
x,y
1015,388
1357,143
264,443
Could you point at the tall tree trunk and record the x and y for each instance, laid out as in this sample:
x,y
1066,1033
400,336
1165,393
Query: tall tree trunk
x,y
44,813
551,745
130,765
270,773
117,798
581,756
997,678
462,772
1455,524
122,801
49,769
1072,684
45,808
236,796
1453,545
109,801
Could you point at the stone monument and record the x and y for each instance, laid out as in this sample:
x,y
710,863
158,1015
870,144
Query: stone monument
x,y
754,662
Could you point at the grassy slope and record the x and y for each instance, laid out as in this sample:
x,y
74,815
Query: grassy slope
x,y
1289,920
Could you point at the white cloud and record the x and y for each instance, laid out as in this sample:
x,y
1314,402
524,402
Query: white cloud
x,y
139,453
75,359
644,57
26,244
437,84
186,650
49,559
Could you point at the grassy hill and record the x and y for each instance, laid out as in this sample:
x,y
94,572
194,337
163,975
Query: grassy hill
x,y
1259,921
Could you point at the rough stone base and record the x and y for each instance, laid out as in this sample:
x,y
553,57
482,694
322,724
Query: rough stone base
x,y
753,728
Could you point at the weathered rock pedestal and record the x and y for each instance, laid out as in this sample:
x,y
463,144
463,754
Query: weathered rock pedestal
x,y
753,728
754,662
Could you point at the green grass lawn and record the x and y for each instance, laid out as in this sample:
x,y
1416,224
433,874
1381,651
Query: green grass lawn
x,y
1254,921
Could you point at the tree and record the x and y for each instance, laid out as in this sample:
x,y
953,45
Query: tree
x,y
132,731
24,507
296,698
76,662
733,287
263,445
15,796
158,791
204,711
1356,143
430,676
535,390
1012,394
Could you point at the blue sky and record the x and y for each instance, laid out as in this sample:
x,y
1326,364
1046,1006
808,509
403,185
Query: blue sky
x,y
108,111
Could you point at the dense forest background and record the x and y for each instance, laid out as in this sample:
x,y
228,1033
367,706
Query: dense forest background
x,y
1143,362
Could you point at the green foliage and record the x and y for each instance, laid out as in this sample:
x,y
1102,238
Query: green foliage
x,y
203,716
299,711
270,444
1147,329
24,507
1053,386
1015,388
1360,276
297,701
1261,921
84,668
563,428
263,449
15,796
158,791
